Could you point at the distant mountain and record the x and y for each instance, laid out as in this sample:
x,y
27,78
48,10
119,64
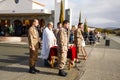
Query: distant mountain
x,y
108,28
117,29
111,28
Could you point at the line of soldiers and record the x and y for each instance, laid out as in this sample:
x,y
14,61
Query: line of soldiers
x,y
62,35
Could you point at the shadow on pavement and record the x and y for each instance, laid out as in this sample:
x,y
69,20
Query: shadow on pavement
x,y
48,73
13,69
14,58
21,69
5,64
13,45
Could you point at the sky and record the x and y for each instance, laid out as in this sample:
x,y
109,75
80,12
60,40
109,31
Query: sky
x,y
98,13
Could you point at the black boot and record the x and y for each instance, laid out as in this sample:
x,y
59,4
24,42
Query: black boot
x,y
31,70
36,70
62,73
46,64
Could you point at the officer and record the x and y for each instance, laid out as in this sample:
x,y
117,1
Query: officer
x,y
62,41
33,39
78,37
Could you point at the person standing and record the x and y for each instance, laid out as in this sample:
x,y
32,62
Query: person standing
x,y
48,41
92,37
33,39
11,30
78,37
62,42
6,30
59,25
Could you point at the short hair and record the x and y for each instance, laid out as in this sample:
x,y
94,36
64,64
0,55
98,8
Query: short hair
x,y
35,20
65,22
50,23
59,23
80,23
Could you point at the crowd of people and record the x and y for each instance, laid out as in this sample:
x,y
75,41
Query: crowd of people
x,y
48,37
17,29
59,37
90,37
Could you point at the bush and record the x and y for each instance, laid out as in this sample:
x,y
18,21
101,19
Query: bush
x,y
118,34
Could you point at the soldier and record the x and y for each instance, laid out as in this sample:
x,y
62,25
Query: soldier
x,y
33,38
62,40
78,37
59,25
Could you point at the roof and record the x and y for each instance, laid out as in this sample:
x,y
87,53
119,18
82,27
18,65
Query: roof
x,y
38,3
32,7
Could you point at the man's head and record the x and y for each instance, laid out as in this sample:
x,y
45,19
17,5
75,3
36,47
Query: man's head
x,y
50,25
59,25
35,22
66,24
80,25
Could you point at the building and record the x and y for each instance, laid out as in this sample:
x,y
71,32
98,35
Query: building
x,y
21,13
91,28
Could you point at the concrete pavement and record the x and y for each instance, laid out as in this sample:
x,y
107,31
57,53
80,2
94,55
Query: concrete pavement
x,y
14,65
115,38
102,64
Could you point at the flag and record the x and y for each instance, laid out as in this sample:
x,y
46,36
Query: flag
x,y
61,17
85,26
80,17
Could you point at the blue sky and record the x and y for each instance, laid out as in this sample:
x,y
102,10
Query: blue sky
x,y
99,13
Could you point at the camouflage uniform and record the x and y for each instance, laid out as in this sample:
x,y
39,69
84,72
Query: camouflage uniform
x,y
77,40
62,41
33,38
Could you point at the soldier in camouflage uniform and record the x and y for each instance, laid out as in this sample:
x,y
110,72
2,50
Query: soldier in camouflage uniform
x,y
33,39
78,37
62,41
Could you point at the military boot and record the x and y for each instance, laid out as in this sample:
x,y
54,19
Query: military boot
x,y
62,73
31,70
36,70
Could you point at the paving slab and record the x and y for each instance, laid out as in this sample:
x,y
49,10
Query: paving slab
x,y
103,62
14,65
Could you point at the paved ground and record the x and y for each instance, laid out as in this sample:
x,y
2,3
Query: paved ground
x,y
102,64
12,53
14,65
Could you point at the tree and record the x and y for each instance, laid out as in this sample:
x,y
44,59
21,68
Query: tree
x,y
85,26
99,29
61,18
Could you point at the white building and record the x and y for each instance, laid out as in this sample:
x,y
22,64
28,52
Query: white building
x,y
24,11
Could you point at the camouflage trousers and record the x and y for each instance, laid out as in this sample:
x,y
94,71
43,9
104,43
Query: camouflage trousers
x,y
62,58
79,50
33,57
